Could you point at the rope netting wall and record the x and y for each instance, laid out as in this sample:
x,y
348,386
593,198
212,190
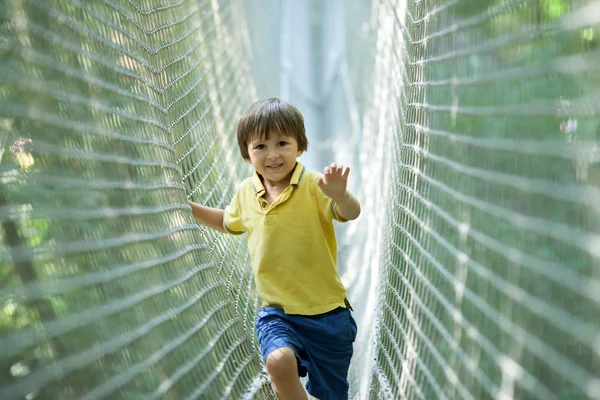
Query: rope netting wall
x,y
108,287
473,132
491,274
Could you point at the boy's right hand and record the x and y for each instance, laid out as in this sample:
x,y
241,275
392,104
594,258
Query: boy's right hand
x,y
208,216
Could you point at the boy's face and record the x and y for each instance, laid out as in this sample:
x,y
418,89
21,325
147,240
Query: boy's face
x,y
274,158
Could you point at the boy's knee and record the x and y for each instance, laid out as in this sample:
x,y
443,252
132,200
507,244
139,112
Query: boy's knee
x,y
282,364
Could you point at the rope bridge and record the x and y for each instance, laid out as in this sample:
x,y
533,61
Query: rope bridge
x,y
473,131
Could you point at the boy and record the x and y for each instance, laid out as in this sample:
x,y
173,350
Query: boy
x,y
305,325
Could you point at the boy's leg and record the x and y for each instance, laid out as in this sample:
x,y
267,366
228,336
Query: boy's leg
x,y
320,345
282,366
280,347
327,341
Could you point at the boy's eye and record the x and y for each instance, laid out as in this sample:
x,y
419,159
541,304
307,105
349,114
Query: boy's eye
x,y
260,146
282,143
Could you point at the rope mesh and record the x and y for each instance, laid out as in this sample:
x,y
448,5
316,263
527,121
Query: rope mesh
x,y
490,282
473,131
109,289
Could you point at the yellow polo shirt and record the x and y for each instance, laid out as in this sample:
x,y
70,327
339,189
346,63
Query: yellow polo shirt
x,y
292,243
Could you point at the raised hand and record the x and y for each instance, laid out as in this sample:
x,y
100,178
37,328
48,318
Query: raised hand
x,y
334,181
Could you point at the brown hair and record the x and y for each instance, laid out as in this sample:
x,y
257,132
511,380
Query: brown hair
x,y
269,117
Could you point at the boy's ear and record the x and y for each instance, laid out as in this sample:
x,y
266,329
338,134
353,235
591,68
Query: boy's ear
x,y
300,152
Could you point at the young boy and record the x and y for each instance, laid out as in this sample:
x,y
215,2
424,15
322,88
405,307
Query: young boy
x,y
305,324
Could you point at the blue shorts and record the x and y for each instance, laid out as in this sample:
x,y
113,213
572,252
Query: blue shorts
x,y
323,345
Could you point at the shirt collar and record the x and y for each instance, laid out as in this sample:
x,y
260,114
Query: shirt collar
x,y
259,188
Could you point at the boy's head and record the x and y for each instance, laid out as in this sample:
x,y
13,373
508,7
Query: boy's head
x,y
270,118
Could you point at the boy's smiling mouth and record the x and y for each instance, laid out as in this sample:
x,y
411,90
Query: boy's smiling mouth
x,y
275,167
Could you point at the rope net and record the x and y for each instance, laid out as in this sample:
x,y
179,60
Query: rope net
x,y
473,132
492,253
112,113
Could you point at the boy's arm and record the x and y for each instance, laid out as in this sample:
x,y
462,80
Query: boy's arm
x,y
333,184
211,217
347,206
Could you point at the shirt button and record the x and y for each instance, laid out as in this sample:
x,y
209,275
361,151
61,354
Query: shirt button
x,y
263,205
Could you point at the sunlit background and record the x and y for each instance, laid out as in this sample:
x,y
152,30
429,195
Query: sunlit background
x,y
472,129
